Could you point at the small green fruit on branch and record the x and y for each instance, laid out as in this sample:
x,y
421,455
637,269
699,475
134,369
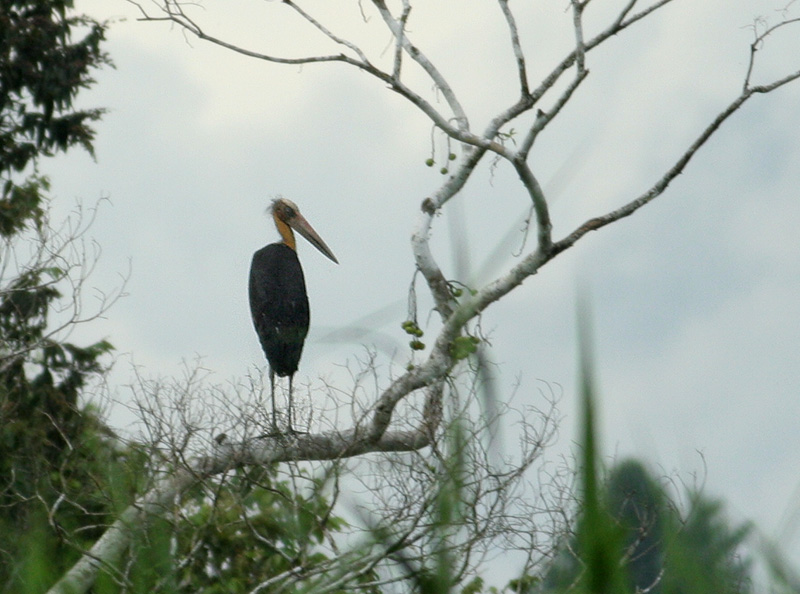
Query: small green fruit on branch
x,y
414,330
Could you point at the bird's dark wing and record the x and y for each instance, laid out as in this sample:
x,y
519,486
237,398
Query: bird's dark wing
x,y
279,306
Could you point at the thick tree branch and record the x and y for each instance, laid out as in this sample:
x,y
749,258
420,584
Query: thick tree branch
x,y
577,24
534,261
108,550
398,47
426,263
539,202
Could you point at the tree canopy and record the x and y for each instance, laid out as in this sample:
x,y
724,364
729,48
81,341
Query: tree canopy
x,y
47,55
51,443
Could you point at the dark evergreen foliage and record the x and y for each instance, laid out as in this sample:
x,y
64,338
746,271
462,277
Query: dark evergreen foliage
x,y
57,470
665,550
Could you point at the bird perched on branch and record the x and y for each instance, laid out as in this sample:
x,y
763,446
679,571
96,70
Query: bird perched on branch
x,y
278,298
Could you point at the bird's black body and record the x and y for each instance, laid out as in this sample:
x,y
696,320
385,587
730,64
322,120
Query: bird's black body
x,y
279,306
278,299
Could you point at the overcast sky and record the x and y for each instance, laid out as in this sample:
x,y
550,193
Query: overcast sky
x,y
696,298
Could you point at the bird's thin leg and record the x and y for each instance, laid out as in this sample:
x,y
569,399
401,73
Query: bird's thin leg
x,y
272,395
291,377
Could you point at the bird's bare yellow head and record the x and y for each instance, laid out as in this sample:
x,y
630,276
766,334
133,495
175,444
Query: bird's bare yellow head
x,y
287,218
284,212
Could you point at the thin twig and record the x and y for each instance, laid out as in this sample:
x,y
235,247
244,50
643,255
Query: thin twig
x,y
517,47
758,42
396,27
661,185
325,31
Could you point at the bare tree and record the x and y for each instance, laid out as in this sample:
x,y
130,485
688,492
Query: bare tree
x,y
395,418
391,499
57,258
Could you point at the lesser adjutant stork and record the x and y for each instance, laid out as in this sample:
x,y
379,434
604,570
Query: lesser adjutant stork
x,y
278,298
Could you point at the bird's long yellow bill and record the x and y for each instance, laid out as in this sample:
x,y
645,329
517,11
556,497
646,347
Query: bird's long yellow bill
x,y
304,228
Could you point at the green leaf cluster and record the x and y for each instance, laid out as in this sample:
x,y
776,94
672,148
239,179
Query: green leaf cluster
x,y
47,55
464,346
238,533
62,472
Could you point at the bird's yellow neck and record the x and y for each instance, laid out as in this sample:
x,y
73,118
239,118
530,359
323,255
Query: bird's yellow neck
x,y
286,233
